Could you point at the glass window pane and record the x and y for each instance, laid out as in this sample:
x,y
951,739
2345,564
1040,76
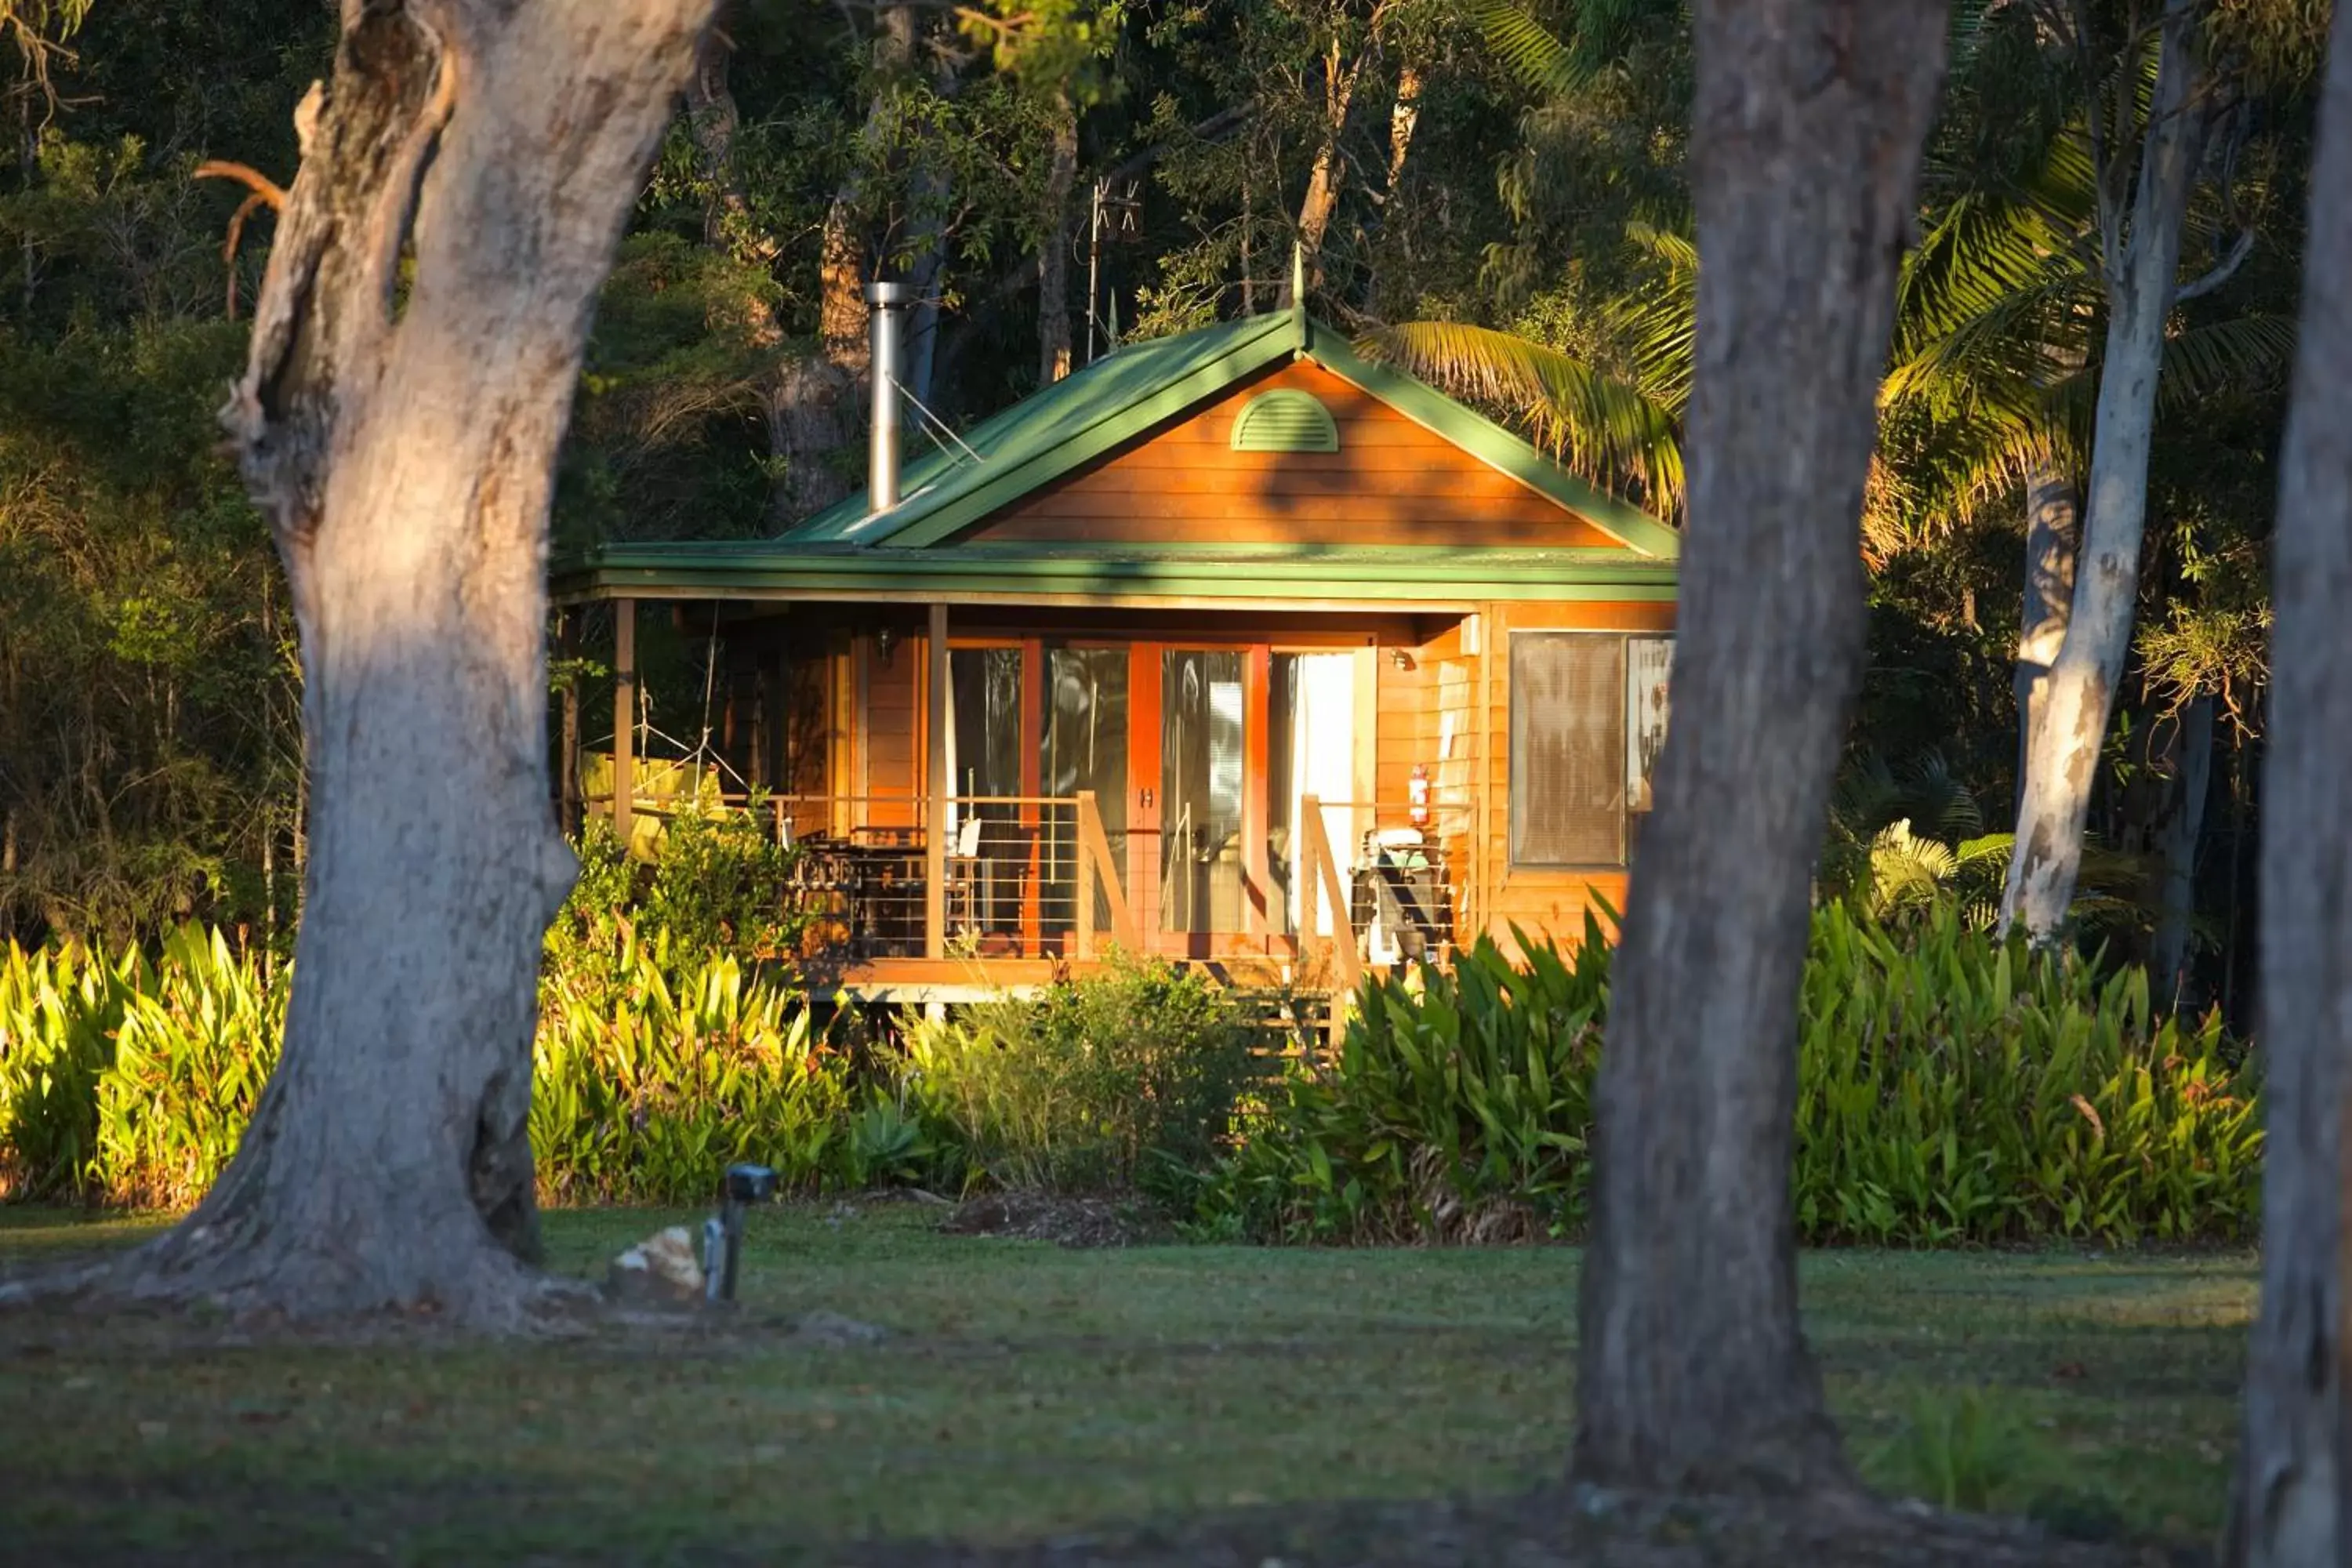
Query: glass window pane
x,y
1084,748
984,751
1201,790
1568,749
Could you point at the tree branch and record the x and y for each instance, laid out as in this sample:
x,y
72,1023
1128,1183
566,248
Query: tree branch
x,y
246,175
2222,271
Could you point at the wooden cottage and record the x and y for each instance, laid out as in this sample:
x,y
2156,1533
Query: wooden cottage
x,y
1230,647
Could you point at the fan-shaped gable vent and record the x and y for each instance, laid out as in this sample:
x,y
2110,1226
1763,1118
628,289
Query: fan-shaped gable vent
x,y
1284,422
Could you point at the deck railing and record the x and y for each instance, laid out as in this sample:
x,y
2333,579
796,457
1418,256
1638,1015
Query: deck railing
x,y
1032,877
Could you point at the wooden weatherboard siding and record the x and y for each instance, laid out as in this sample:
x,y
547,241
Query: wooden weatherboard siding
x,y
1392,481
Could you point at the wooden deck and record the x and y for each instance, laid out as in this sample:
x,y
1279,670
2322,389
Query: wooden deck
x,y
955,982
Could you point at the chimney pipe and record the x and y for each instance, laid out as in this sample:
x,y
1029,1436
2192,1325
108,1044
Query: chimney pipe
x,y
888,302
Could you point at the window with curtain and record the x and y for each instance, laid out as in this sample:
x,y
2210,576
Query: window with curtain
x,y
1572,771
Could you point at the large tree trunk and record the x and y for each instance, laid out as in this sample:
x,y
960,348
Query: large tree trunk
x,y
403,452
2289,1504
1693,1370
2178,836
2079,695
1054,249
1322,198
2053,538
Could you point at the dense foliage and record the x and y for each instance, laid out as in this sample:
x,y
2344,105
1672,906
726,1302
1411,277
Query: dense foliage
x,y
1128,1078
1950,1089
1505,180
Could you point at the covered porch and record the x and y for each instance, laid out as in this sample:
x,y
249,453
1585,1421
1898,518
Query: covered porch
x,y
981,795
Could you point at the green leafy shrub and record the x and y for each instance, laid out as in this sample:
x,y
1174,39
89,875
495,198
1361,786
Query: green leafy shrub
x,y
713,890
1961,1451
129,1080
1126,1077
1951,1089
660,1056
643,1093
1456,1108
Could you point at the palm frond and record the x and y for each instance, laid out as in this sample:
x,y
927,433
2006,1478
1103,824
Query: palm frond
x,y
1603,427
1528,50
2249,350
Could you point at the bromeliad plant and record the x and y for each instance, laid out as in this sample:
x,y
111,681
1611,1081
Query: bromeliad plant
x,y
1951,1089
1954,1088
642,1092
1456,1108
129,1080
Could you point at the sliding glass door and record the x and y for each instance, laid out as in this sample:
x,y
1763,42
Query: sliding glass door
x,y
1201,790
1084,747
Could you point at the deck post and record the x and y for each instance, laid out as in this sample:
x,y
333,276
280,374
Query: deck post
x,y
567,794
1082,915
935,832
624,717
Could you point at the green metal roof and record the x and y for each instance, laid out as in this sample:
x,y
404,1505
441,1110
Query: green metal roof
x,y
1052,431
1086,415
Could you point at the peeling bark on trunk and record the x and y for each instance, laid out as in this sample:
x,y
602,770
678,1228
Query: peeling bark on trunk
x,y
1693,1370
1054,251
1403,119
2177,838
2289,1506
404,456
2078,697
1322,198
2053,538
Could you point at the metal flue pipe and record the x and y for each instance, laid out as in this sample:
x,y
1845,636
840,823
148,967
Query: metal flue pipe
x,y
888,303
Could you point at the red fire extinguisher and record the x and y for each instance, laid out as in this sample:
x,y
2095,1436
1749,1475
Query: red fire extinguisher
x,y
1417,797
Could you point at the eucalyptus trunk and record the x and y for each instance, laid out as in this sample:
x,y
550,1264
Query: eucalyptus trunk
x,y
1693,1370
1326,172
2054,539
2078,697
2290,1505
403,450
1054,249
2179,837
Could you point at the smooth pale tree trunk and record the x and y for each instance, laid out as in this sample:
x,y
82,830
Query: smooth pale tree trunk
x,y
2054,536
2290,1504
2078,697
1693,1370
403,450
2177,838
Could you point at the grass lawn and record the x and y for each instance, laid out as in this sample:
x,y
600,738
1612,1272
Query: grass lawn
x,y
1022,1390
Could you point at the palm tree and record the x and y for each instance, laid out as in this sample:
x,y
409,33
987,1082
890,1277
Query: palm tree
x,y
1994,372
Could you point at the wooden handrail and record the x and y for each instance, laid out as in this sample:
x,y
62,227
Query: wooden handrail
x,y
1097,868
1319,878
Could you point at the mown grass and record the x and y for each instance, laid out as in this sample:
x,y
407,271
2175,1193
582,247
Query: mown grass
x,y
1024,1390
